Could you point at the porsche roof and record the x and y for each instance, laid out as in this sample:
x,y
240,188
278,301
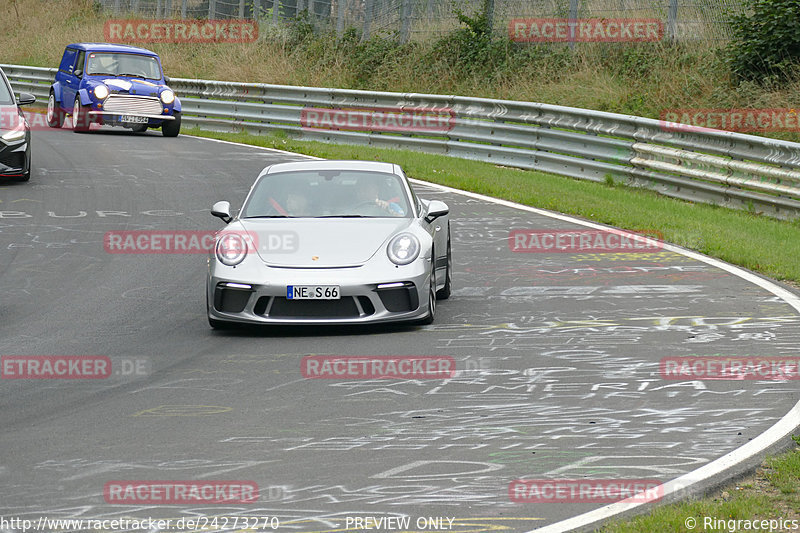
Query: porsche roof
x,y
325,164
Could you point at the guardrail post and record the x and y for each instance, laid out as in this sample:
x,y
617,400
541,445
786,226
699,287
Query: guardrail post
x,y
276,6
212,9
183,9
241,9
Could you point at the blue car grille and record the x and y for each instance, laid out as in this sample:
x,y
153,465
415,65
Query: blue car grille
x,y
132,105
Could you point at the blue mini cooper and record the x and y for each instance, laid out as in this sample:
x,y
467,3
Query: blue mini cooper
x,y
113,84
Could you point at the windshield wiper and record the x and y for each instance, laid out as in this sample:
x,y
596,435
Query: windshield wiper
x,y
133,75
271,216
102,74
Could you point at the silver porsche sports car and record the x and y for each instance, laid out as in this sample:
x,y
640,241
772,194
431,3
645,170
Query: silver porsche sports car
x,y
329,242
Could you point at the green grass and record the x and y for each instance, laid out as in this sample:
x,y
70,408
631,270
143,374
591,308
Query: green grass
x,y
771,493
761,244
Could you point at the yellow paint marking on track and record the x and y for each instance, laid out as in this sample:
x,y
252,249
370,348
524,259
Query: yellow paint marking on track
x,y
634,256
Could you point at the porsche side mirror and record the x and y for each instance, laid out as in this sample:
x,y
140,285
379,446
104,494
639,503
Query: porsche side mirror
x,y
436,209
222,210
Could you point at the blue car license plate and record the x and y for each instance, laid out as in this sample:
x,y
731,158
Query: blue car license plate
x,y
133,119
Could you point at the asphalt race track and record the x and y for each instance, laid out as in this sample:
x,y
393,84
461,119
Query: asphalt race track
x,y
557,354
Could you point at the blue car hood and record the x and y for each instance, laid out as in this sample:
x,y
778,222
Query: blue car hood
x,y
132,86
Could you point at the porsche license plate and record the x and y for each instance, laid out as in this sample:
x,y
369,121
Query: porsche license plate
x,y
312,292
133,119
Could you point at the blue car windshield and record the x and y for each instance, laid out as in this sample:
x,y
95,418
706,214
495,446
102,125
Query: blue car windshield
x,y
121,64
6,97
328,194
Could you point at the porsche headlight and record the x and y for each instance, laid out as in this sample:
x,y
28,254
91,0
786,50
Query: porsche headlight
x,y
101,91
167,96
231,249
403,249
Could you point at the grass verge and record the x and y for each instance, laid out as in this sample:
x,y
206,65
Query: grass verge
x,y
770,494
770,247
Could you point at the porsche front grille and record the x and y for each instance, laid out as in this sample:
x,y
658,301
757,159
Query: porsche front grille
x,y
132,105
346,307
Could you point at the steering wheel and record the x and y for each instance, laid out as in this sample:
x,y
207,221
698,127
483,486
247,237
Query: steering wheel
x,y
370,203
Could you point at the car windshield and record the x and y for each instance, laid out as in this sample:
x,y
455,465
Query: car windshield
x,y
6,96
328,193
119,64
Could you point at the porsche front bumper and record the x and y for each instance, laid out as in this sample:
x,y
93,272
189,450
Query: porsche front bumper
x,y
395,297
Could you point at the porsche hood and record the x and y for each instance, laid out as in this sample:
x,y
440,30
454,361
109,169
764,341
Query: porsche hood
x,y
321,242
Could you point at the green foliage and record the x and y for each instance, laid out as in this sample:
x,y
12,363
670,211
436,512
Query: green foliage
x,y
367,63
301,30
369,59
471,49
638,61
766,42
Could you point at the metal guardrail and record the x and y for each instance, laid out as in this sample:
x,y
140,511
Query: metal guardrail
x,y
724,168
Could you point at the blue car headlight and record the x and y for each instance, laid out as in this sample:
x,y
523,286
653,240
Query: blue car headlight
x,y
101,92
167,96
403,249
